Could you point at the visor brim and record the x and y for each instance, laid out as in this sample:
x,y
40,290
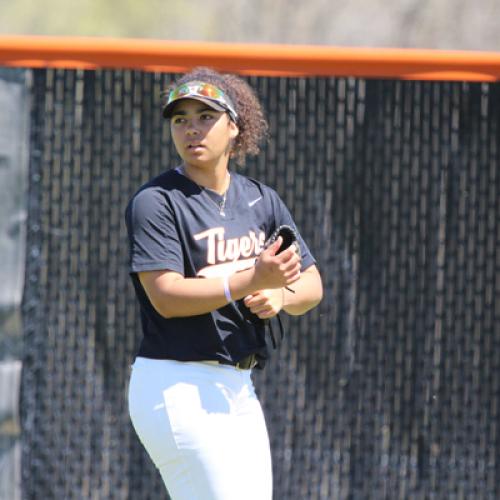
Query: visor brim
x,y
215,105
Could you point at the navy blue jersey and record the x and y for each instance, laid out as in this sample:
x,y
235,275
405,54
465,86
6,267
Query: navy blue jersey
x,y
175,224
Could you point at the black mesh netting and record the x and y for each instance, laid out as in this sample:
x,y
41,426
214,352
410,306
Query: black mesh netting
x,y
389,389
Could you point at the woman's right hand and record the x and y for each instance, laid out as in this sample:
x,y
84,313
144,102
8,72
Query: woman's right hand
x,y
274,270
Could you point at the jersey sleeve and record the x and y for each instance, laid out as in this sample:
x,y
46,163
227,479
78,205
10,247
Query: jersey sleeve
x,y
154,243
283,216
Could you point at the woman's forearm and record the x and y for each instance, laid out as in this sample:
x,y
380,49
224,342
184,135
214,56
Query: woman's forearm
x,y
172,295
307,293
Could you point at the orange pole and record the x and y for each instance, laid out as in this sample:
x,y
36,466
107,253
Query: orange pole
x,y
256,59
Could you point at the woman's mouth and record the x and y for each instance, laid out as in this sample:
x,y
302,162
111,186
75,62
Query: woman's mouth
x,y
196,150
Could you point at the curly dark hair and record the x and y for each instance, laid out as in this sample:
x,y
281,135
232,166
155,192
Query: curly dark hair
x,y
251,122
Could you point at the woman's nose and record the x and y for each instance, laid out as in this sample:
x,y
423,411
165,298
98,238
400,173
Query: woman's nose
x,y
191,129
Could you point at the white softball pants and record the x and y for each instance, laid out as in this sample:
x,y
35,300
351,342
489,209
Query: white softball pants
x,y
204,429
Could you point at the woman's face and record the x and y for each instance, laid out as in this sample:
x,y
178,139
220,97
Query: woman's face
x,y
201,135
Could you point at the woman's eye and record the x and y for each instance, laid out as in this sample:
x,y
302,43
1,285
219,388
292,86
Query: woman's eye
x,y
178,120
206,116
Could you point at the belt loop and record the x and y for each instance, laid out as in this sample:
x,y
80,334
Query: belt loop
x,y
247,363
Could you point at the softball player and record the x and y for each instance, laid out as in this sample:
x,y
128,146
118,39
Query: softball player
x,y
201,273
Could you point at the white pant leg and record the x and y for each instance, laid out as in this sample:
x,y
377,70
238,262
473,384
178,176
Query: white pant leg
x,y
204,429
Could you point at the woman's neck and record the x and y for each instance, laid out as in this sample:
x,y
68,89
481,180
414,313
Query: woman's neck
x,y
217,180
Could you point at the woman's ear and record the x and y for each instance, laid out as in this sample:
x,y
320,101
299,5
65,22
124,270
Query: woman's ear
x,y
233,130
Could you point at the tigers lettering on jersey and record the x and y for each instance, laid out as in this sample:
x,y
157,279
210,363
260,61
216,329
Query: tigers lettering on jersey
x,y
222,250
225,256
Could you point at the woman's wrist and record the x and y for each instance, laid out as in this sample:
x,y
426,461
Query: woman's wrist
x,y
283,298
240,284
227,289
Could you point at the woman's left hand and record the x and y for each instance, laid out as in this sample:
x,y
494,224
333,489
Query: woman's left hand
x,y
265,303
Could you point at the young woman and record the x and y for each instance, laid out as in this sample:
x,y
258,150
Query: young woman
x,y
205,282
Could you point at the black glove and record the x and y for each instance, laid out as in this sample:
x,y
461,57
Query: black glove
x,y
289,238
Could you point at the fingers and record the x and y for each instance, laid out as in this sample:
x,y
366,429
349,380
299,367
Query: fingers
x,y
273,249
256,299
266,314
288,254
290,267
262,304
277,270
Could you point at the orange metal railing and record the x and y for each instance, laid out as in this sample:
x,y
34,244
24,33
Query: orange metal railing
x,y
256,59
